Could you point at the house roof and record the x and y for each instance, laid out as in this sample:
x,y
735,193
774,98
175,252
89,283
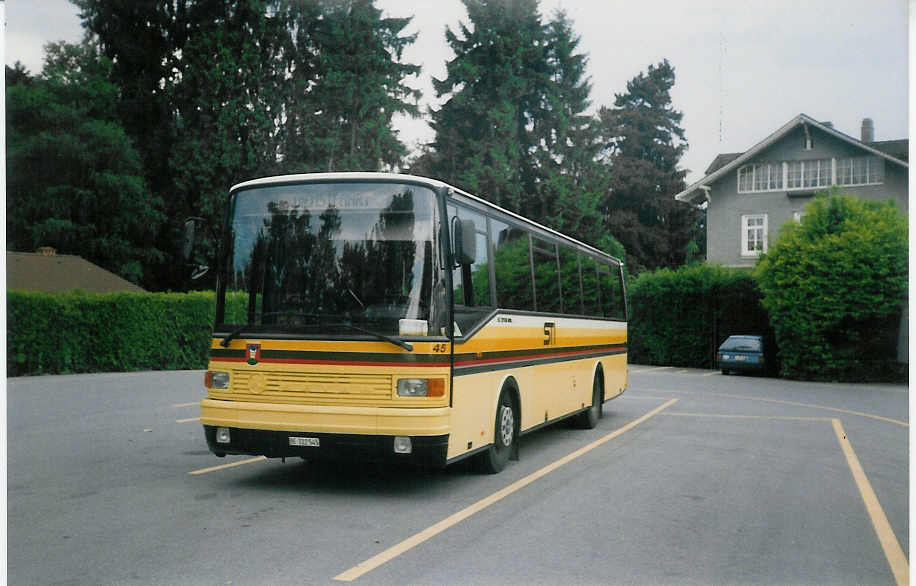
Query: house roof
x,y
895,151
56,273
899,149
721,160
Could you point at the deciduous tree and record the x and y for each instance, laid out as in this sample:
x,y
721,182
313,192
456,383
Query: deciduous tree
x,y
834,285
75,181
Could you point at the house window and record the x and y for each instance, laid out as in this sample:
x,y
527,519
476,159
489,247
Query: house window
x,y
815,174
808,174
753,234
795,175
860,171
760,177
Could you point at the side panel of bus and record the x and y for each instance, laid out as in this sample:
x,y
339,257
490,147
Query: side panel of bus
x,y
552,368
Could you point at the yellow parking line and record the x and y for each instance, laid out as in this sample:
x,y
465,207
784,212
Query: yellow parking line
x,y
650,397
652,369
179,405
430,532
188,420
792,403
823,407
730,416
892,550
229,465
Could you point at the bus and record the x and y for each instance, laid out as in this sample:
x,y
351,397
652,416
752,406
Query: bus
x,y
374,316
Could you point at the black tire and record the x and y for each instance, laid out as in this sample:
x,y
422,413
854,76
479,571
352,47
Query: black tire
x,y
588,419
505,436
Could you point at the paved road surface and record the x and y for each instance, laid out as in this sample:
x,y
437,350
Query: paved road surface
x,y
691,478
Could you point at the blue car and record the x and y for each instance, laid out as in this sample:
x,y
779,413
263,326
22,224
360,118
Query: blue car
x,y
742,354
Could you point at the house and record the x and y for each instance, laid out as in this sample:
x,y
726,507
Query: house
x,y
750,195
49,272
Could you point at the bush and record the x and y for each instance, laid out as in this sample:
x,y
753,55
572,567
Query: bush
x,y
117,332
834,285
679,317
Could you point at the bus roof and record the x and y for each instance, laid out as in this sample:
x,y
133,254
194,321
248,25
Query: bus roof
x,y
396,177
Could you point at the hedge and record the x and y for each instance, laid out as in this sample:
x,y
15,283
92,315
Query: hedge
x,y
679,317
85,332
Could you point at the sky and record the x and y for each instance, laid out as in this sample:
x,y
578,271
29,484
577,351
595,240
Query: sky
x,y
743,67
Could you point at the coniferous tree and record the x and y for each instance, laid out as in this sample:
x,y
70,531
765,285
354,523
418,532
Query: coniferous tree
x,y
645,142
493,86
515,128
226,109
569,180
356,85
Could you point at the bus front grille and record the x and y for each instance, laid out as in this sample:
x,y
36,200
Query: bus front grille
x,y
313,388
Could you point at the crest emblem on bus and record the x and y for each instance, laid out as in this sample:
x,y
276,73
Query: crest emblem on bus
x,y
254,353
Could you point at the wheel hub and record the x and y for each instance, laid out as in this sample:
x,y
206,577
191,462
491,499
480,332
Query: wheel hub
x,y
506,425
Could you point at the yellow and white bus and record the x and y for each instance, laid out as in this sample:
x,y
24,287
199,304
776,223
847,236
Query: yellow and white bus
x,y
378,316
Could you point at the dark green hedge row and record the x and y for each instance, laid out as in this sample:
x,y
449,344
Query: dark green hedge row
x,y
679,317
83,332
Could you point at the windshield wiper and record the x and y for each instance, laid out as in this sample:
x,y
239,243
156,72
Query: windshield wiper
x,y
383,337
400,343
233,334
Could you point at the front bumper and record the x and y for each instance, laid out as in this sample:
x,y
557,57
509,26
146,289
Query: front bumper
x,y
426,450
343,432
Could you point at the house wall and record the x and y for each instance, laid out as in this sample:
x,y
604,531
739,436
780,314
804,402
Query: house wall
x,y
723,232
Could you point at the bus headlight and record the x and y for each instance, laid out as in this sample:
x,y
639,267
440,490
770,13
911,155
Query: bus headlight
x,y
216,380
421,387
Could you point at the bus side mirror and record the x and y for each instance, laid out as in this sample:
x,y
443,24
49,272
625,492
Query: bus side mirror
x,y
465,242
187,247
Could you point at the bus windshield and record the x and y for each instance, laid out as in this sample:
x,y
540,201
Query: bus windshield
x,y
333,259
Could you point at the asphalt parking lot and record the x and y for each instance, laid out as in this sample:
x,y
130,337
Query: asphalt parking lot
x,y
691,478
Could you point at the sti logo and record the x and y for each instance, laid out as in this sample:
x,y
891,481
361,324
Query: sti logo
x,y
254,353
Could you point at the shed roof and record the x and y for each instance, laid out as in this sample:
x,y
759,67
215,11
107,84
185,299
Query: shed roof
x,y
56,273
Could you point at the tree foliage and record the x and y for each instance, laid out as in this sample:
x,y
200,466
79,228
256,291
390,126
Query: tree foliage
x,y
514,128
75,180
217,92
644,143
834,285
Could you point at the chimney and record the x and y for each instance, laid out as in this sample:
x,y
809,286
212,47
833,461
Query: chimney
x,y
46,251
868,130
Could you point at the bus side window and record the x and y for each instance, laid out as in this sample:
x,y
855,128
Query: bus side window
x,y
512,265
590,286
547,293
571,282
476,277
611,291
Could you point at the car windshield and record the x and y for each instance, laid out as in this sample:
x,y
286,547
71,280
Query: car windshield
x,y
742,344
320,258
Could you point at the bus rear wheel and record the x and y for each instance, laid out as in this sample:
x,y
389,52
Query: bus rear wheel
x,y
505,436
588,419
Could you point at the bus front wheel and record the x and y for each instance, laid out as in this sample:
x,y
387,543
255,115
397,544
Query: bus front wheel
x,y
506,435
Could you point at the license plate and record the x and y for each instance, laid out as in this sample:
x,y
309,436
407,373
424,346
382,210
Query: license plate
x,y
305,442
740,358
